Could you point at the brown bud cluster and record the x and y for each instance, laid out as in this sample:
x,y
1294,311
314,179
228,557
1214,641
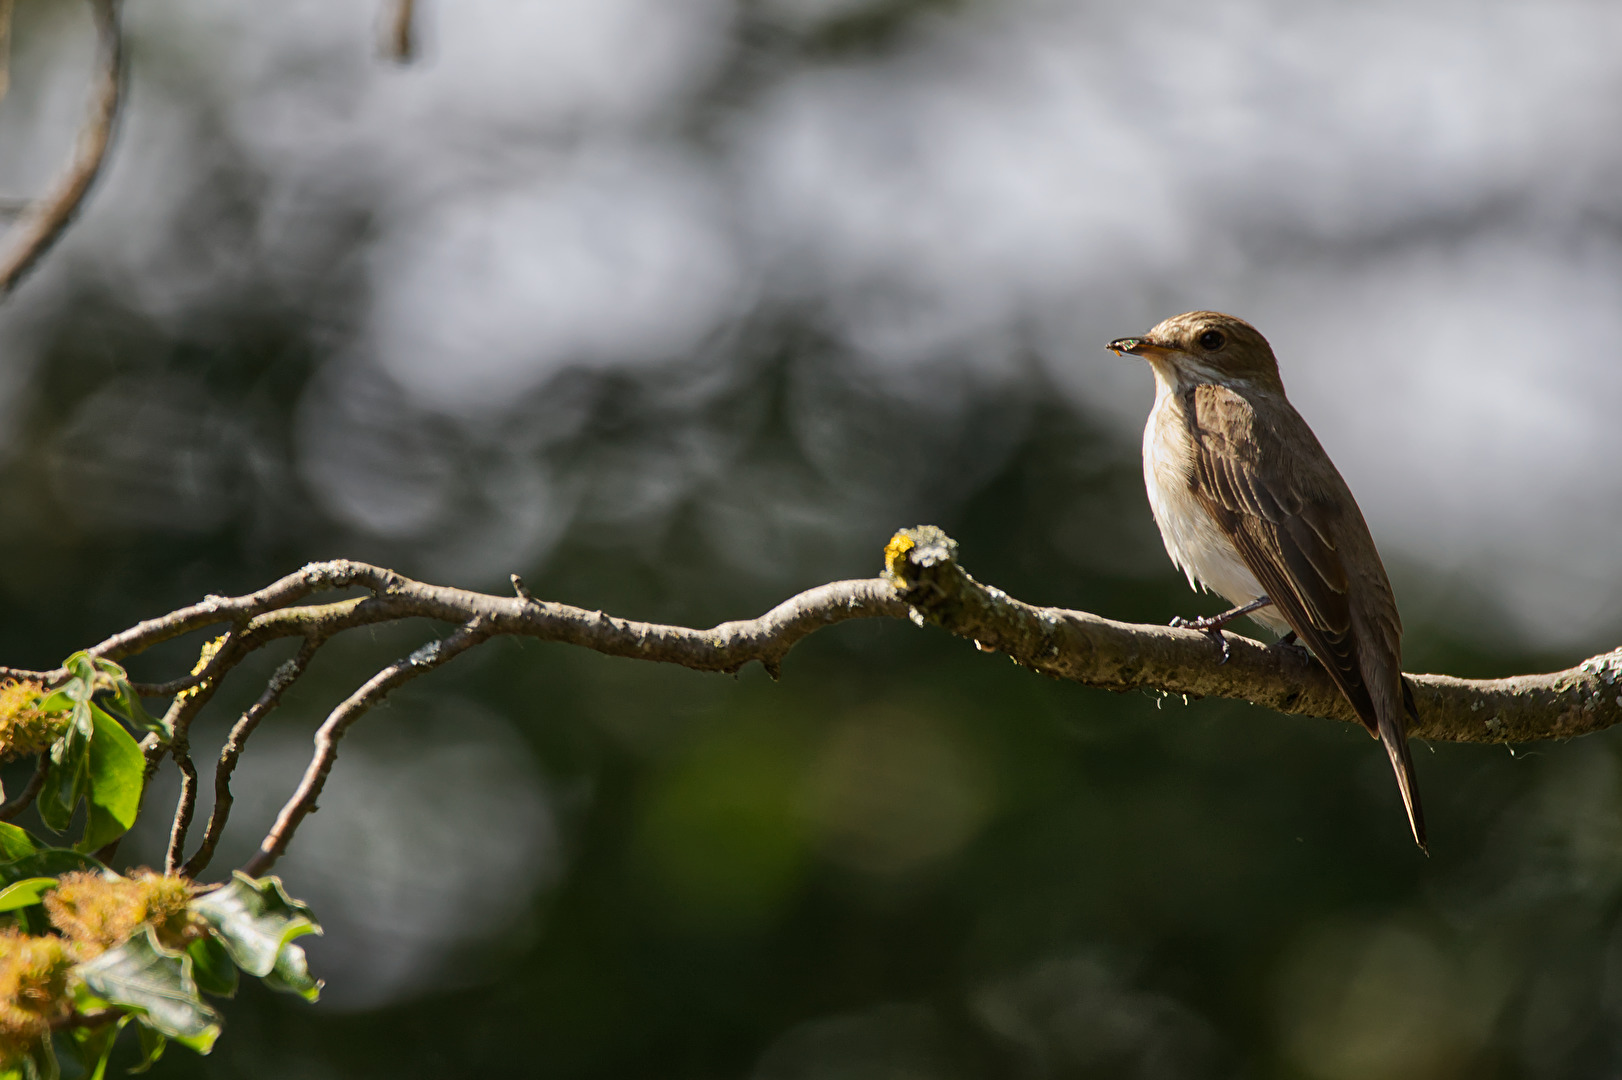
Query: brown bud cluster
x,y
96,912
24,729
33,992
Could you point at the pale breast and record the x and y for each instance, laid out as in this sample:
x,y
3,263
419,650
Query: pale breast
x,y
1195,543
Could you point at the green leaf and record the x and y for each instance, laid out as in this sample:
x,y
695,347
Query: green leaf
x,y
292,975
93,1046
81,667
212,966
15,842
153,1044
125,701
69,775
255,921
117,771
140,975
25,893
46,862
202,1044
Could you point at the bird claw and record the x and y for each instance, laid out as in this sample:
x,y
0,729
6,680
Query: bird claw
x,y
1211,628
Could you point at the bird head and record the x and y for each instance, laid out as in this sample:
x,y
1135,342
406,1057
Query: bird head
x,y
1206,346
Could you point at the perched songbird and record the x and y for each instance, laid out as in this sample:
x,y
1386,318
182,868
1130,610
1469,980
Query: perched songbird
x,y
1251,507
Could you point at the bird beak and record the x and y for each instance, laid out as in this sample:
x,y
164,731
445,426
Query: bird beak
x,y
1136,346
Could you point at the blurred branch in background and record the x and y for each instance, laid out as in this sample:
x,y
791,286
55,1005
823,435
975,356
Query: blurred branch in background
x,y
922,581
399,38
6,8
41,224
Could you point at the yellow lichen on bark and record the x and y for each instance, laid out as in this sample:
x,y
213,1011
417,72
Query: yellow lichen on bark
x,y
895,552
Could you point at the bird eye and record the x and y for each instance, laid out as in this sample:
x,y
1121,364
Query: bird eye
x,y
1212,340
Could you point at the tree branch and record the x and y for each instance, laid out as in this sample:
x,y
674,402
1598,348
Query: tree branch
x,y
423,660
28,793
922,581
42,224
1123,656
284,677
217,657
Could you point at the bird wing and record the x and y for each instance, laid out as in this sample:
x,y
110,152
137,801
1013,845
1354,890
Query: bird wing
x,y
1279,509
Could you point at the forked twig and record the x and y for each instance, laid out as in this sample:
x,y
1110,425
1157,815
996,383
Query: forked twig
x,y
355,706
227,651
235,743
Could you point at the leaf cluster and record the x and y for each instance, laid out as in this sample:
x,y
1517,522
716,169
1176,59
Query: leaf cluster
x,y
94,760
85,951
88,952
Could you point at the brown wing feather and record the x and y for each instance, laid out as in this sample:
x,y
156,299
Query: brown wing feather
x,y
1282,527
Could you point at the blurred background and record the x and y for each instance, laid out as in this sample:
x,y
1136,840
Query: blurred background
x,y
679,307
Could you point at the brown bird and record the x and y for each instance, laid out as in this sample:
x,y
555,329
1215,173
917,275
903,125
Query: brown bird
x,y
1251,507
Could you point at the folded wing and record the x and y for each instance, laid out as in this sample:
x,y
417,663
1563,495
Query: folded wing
x,y
1281,515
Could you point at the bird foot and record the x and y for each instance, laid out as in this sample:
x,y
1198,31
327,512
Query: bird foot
x,y
1211,627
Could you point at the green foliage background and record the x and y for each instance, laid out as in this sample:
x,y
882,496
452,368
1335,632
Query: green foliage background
x,y
904,859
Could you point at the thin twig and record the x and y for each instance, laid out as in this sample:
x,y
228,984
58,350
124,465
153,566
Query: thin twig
x,y
43,223
28,794
399,31
284,677
94,1018
355,706
24,674
237,643
177,722
185,807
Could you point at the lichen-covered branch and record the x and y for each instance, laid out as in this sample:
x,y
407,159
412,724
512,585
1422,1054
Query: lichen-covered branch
x,y
922,581
1125,656
43,222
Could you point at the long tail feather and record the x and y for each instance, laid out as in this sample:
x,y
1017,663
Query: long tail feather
x,y
1395,740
